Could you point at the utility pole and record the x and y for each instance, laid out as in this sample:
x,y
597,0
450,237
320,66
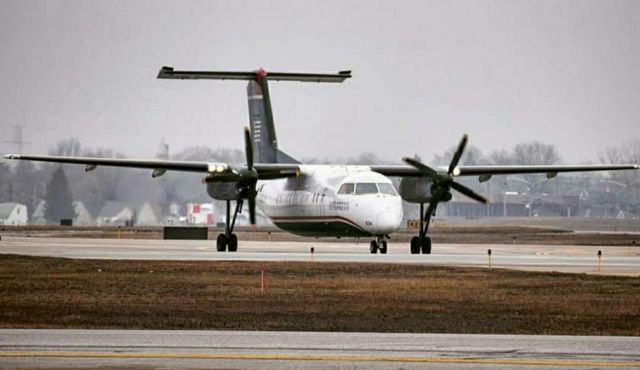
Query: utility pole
x,y
18,137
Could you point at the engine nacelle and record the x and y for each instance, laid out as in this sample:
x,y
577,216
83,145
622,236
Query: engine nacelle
x,y
232,190
419,190
415,189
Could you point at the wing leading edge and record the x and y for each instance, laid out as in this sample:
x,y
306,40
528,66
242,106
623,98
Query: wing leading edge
x,y
265,170
279,170
410,171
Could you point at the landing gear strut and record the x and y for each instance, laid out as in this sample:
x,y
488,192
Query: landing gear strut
x,y
378,244
422,243
229,240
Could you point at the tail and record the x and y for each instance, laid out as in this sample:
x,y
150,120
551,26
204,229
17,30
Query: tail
x,y
263,131
265,144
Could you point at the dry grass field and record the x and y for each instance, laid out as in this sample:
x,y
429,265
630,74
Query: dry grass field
x,y
63,293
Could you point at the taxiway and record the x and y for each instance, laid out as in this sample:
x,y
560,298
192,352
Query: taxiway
x,y
578,259
57,349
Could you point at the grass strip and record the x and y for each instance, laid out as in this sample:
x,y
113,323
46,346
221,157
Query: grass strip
x,y
43,292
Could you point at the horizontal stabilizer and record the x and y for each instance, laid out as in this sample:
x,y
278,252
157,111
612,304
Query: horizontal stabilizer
x,y
170,73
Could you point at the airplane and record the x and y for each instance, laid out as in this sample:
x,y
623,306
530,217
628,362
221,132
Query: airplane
x,y
334,200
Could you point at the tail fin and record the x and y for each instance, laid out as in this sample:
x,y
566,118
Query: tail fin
x,y
263,132
265,144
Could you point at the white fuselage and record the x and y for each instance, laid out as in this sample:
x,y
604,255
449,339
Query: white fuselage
x,y
328,200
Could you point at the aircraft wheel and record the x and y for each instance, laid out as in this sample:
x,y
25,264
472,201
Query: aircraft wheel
x,y
373,247
426,245
221,243
232,243
415,245
383,247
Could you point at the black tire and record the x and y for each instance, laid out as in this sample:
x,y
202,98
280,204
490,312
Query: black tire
x,y
232,243
426,245
373,247
383,247
415,245
221,243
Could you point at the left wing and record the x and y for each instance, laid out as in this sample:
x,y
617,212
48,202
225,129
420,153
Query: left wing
x,y
221,170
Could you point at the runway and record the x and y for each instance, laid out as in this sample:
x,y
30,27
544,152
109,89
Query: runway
x,y
579,259
307,350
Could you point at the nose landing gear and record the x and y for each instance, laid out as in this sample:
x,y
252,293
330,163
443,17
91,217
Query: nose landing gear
x,y
378,244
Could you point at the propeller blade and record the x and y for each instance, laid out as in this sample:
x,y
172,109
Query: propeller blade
x,y
435,199
458,154
248,148
252,209
426,170
468,192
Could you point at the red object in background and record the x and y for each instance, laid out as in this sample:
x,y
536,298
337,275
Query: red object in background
x,y
196,208
209,219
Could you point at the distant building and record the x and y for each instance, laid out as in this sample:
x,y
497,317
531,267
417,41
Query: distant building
x,y
82,215
147,215
200,213
174,217
13,214
115,213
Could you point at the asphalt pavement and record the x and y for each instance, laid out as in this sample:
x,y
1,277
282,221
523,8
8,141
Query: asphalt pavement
x,y
56,349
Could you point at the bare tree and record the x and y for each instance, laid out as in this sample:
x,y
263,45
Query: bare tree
x,y
68,147
501,157
626,153
535,153
472,156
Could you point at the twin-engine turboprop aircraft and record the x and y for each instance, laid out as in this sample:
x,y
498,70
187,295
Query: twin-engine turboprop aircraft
x,y
318,200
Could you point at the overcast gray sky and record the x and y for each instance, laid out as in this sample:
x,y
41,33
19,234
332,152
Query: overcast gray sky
x,y
424,73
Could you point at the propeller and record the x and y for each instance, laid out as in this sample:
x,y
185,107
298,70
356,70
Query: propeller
x,y
443,181
251,177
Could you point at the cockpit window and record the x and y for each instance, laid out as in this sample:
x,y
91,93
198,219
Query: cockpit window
x,y
366,188
386,188
346,188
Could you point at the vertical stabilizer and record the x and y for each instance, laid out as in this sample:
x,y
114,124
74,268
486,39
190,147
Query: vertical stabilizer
x,y
265,143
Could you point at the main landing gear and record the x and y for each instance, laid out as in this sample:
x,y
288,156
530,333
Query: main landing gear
x,y
229,240
378,244
422,243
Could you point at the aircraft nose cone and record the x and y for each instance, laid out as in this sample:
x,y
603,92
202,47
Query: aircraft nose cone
x,y
388,222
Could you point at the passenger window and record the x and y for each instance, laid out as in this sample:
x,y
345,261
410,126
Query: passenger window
x,y
346,188
386,188
366,188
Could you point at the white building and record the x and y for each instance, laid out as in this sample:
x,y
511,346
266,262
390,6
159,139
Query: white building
x,y
13,214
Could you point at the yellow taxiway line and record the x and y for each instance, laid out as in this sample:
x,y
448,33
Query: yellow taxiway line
x,y
319,357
